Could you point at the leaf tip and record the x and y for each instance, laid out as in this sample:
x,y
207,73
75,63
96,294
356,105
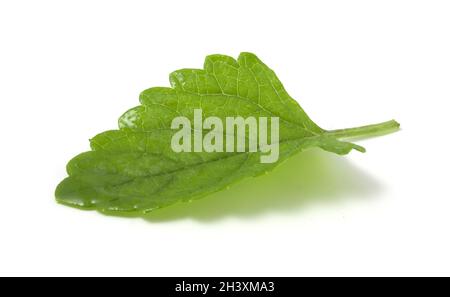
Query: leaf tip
x,y
67,193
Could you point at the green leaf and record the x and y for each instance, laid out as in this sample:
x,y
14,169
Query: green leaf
x,y
135,169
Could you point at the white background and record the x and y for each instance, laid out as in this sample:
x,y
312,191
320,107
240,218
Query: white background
x,y
69,69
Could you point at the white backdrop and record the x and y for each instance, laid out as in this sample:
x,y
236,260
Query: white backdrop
x,y
69,69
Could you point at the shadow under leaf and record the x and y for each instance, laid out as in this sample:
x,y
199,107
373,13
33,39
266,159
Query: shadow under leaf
x,y
313,176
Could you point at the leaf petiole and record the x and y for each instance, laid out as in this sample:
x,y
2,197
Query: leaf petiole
x,y
365,131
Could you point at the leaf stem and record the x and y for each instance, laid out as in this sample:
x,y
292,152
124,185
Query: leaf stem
x,y
366,131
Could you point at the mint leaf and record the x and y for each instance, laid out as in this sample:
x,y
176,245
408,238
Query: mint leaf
x,y
136,169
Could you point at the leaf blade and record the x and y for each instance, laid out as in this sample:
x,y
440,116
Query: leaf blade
x,y
134,168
